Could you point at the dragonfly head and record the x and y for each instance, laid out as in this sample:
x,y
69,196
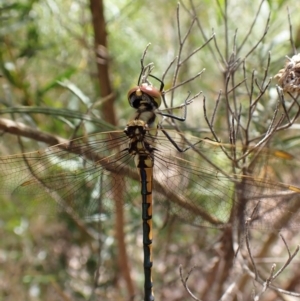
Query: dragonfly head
x,y
144,94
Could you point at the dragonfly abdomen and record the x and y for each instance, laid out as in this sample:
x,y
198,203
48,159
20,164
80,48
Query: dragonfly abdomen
x,y
146,178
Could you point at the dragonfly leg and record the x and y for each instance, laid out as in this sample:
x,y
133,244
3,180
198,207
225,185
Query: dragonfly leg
x,y
185,104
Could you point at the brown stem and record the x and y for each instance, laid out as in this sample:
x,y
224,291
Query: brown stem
x,y
102,59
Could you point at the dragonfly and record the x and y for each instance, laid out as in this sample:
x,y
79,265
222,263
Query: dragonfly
x,y
183,173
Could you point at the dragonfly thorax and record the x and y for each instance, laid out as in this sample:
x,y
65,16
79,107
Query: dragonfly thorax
x,y
142,138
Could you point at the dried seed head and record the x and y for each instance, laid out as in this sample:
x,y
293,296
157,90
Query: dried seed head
x,y
289,77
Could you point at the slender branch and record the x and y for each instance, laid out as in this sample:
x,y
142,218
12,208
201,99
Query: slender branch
x,y
291,32
290,257
251,27
185,280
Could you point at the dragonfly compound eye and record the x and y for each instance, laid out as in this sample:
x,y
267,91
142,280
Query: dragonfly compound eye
x,y
145,94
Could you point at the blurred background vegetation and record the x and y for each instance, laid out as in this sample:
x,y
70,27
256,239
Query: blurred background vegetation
x,y
49,81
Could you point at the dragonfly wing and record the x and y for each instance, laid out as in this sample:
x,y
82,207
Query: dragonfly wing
x,y
73,178
199,187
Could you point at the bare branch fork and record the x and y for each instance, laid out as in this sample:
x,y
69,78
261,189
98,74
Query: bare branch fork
x,y
272,276
275,125
240,120
184,281
178,61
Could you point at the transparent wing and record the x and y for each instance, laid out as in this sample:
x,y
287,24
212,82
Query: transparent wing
x,y
206,185
199,186
73,177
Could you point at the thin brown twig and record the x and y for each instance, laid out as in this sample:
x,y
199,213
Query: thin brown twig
x,y
266,73
262,282
194,15
251,27
168,68
181,42
272,276
185,82
266,29
290,257
210,123
243,81
184,281
197,49
291,32
259,97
